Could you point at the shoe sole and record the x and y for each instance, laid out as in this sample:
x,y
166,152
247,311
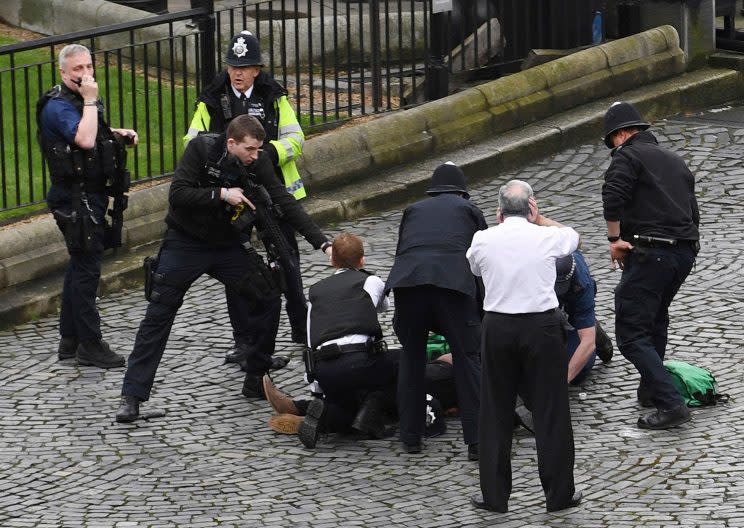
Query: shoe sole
x,y
89,363
63,357
669,425
288,424
308,430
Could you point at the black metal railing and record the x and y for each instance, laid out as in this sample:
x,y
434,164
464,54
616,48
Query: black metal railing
x,y
338,59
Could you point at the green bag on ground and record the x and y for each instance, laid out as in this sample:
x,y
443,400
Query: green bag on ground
x,y
436,345
696,385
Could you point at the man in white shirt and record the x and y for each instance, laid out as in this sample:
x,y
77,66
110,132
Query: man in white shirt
x,y
523,347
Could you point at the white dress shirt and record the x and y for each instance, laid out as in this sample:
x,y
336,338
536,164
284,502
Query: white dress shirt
x,y
238,93
517,262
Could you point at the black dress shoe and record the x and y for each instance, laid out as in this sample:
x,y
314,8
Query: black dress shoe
x,y
478,502
413,449
278,362
128,409
253,387
236,355
311,425
575,501
98,353
67,348
661,419
604,347
473,452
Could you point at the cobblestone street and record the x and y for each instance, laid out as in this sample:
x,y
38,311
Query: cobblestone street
x,y
212,460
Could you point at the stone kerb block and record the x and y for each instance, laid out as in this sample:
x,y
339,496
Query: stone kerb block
x,y
458,119
330,157
583,89
514,86
648,69
570,67
631,48
398,138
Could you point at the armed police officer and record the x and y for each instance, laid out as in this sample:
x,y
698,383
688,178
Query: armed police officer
x,y
87,163
244,88
221,188
652,219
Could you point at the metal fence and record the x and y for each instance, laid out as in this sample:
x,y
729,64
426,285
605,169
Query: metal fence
x,y
338,59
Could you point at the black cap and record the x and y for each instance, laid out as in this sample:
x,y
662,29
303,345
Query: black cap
x,y
564,271
619,116
448,177
244,50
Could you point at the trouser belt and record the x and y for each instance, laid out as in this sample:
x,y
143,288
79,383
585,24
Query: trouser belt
x,y
660,242
334,350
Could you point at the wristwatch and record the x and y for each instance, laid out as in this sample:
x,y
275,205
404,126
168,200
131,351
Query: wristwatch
x,y
613,238
325,245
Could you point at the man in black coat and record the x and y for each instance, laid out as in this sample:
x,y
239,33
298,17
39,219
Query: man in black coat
x,y
652,219
206,199
435,290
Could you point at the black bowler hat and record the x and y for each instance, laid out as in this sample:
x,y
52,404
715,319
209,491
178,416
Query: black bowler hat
x,y
619,116
244,50
564,271
448,177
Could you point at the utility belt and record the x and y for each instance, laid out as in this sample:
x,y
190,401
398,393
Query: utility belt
x,y
335,351
646,241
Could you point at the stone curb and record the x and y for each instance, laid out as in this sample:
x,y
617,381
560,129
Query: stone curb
x,y
480,161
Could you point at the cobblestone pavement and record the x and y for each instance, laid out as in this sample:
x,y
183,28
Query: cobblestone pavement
x,y
213,461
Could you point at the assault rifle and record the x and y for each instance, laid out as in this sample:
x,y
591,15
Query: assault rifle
x,y
265,218
117,185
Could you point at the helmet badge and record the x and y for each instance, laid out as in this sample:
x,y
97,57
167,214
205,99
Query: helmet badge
x,y
239,48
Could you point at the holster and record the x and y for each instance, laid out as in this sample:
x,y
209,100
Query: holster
x,y
257,285
150,266
79,229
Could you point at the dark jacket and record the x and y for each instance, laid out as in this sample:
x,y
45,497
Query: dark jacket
x,y
265,88
650,191
433,237
195,207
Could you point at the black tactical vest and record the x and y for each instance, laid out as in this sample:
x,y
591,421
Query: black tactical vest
x,y
340,307
69,164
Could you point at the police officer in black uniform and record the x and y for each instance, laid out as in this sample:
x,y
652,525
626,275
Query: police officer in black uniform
x,y
244,88
207,204
652,225
85,157
435,290
347,355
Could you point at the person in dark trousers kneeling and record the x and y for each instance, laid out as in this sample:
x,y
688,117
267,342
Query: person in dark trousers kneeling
x,y
207,216
523,348
652,218
347,355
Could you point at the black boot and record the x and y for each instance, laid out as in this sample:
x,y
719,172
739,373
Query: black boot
x,y
67,347
253,386
312,424
128,409
99,354
370,419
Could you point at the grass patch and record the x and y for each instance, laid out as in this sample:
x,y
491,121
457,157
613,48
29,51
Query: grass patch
x,y
154,104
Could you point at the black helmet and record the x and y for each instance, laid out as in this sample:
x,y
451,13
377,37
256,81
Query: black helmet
x,y
619,116
448,177
564,271
244,50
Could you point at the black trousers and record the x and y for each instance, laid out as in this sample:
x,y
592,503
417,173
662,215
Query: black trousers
x,y
455,316
347,379
525,353
184,259
296,305
79,317
651,279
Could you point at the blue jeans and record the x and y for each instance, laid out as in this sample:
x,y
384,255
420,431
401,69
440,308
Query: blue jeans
x,y
651,279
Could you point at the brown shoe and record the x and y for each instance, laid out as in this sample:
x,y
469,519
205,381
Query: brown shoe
x,y
285,423
280,402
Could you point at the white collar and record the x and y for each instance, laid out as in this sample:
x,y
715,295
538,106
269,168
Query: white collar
x,y
238,93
